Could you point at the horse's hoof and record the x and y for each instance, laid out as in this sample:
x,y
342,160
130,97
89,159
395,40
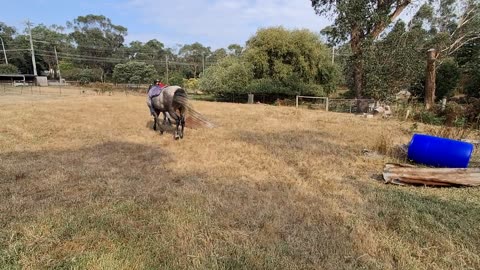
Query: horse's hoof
x,y
161,132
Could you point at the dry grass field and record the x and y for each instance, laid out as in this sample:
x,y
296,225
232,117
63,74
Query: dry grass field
x,y
85,183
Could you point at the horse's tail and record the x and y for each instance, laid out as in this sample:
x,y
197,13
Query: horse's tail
x,y
180,99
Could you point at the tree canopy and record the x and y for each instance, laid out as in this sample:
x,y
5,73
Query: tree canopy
x,y
358,22
275,60
134,72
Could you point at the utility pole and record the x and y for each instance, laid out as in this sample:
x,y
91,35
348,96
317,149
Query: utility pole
x,y
31,47
203,62
166,63
58,66
4,52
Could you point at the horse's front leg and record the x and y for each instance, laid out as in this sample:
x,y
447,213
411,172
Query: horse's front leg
x,y
155,123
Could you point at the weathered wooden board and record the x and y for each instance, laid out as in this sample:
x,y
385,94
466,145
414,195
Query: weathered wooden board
x,y
407,174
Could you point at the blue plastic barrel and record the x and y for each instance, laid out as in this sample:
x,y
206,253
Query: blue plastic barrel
x,y
439,152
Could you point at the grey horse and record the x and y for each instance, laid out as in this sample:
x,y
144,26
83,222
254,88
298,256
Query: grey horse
x,y
173,103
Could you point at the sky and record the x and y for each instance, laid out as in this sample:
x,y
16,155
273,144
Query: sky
x,y
214,23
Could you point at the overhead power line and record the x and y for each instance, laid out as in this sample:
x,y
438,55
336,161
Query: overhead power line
x,y
114,60
17,50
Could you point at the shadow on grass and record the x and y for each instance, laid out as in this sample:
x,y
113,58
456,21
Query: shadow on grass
x,y
113,169
169,129
120,205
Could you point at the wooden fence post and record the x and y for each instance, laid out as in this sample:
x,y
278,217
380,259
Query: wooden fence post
x,y
250,98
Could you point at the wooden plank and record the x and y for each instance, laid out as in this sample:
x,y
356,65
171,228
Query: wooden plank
x,y
461,177
467,180
421,182
407,174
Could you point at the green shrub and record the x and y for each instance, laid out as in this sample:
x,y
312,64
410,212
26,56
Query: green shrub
x,y
429,117
89,75
472,85
266,86
8,69
472,112
454,114
175,78
84,76
448,75
134,72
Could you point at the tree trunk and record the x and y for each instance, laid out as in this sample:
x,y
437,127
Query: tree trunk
x,y
356,47
358,77
430,80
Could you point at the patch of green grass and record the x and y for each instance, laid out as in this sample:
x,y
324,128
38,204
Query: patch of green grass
x,y
429,229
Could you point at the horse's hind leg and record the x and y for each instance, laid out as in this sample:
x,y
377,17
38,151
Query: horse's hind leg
x,y
162,125
182,123
165,118
177,119
161,129
156,123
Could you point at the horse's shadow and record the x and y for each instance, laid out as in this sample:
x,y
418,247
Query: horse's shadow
x,y
166,128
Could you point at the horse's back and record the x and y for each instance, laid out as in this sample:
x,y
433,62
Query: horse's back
x,y
163,101
170,90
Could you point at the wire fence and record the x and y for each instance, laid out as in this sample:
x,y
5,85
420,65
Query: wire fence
x,y
351,105
72,89
336,104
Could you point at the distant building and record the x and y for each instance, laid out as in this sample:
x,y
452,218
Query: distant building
x,y
17,79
